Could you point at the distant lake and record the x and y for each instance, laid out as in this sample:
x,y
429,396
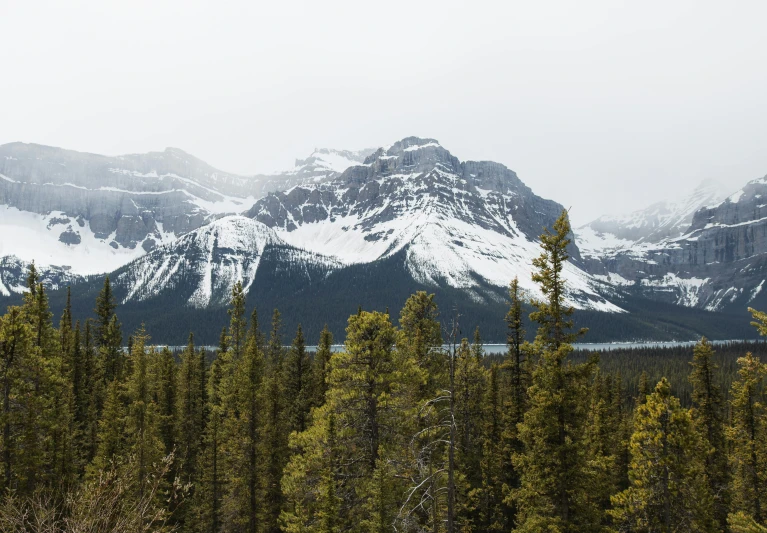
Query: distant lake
x,y
501,348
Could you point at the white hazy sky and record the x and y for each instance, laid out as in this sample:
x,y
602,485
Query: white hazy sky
x,y
603,106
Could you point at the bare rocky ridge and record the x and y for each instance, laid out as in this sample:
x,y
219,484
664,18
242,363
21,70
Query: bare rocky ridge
x,y
96,213
718,262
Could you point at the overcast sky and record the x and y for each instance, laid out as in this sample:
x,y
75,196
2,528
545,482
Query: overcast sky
x,y
599,106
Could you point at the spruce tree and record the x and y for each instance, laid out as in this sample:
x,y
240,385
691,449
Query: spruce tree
x,y
555,479
495,513
748,440
363,383
143,421
420,339
668,489
110,436
108,335
242,436
190,406
274,431
321,367
297,373
164,396
17,348
516,364
708,412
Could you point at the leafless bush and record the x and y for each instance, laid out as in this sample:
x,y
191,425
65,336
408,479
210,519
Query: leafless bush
x,y
114,501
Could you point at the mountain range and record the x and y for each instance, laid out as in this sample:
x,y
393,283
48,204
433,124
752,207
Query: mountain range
x,y
348,228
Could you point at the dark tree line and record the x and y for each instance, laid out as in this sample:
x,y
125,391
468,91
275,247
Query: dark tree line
x,y
394,433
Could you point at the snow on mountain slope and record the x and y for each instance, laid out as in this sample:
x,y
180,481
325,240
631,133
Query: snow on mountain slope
x,y
641,230
322,165
14,271
203,266
95,213
714,259
462,224
35,237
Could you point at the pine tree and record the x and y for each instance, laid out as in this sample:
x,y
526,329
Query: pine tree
x,y
748,440
143,422
242,435
164,396
495,514
275,436
470,383
110,437
707,412
555,480
644,389
668,489
363,383
209,493
515,363
321,367
420,339
190,406
108,335
16,349
297,384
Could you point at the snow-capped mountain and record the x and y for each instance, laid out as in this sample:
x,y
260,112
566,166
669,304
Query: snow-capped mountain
x,y
467,225
14,271
202,267
322,165
659,222
94,213
718,262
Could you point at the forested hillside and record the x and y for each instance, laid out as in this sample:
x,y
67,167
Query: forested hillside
x,y
394,433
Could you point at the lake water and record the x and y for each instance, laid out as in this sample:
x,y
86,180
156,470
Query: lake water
x,y
501,348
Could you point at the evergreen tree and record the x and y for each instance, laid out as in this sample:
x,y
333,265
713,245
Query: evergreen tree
x,y
748,440
241,432
17,349
108,335
275,435
420,339
143,422
190,406
495,514
707,412
321,367
519,378
297,384
164,396
668,489
110,437
644,389
555,491
362,384
208,495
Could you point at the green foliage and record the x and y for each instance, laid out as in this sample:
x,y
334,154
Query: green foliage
x,y
555,490
668,489
748,440
393,433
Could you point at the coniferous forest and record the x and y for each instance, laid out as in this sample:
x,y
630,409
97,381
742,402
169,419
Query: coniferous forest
x,y
409,428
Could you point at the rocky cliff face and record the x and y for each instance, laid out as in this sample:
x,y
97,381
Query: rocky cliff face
x,y
96,213
126,202
323,165
462,224
466,227
718,262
